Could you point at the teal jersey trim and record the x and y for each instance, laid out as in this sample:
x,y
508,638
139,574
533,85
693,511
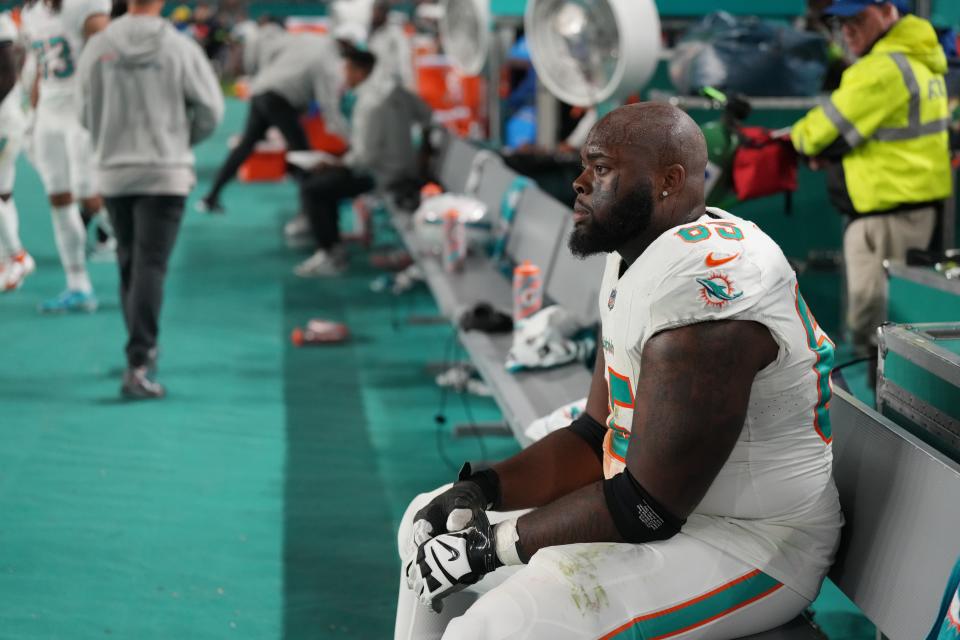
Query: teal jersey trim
x,y
700,610
823,349
944,628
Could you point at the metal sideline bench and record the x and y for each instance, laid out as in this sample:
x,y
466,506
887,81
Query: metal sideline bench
x,y
901,535
537,234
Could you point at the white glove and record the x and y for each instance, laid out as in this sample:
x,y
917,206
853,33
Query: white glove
x,y
451,561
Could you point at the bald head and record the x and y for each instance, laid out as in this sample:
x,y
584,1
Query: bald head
x,y
644,168
661,132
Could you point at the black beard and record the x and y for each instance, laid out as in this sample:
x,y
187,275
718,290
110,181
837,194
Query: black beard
x,y
628,218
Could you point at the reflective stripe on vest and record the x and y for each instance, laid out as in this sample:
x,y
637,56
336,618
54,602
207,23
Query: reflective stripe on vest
x,y
914,128
844,126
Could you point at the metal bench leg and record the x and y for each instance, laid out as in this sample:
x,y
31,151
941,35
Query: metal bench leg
x,y
422,319
482,429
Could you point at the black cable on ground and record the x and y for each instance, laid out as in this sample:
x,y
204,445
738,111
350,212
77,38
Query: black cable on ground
x,y
473,424
440,417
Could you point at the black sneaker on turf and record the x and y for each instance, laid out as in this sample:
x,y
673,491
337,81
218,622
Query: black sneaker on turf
x,y
137,385
206,205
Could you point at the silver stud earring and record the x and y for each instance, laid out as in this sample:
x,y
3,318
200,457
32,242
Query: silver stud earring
x,y
664,194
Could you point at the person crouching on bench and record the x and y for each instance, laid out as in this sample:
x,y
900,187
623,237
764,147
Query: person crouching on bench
x,y
382,154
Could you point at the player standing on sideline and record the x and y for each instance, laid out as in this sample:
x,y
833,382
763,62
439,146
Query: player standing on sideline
x,y
15,263
695,496
147,94
56,31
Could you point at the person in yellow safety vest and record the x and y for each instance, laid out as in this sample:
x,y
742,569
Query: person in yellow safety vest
x,y
883,140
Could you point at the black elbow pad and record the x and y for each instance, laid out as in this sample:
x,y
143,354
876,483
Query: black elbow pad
x,y
636,514
591,431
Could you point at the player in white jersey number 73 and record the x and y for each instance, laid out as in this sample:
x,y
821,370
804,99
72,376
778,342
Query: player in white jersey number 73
x,y
694,498
56,31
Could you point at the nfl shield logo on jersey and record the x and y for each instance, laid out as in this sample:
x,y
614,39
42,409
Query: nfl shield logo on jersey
x,y
612,300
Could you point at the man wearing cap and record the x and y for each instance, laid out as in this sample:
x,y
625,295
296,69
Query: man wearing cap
x,y
883,140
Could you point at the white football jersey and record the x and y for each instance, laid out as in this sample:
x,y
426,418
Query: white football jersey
x,y
12,118
56,39
774,503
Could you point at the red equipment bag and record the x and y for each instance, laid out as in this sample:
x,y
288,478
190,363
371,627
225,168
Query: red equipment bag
x,y
763,165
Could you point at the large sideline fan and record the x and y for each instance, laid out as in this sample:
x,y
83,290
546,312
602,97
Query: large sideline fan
x,y
587,52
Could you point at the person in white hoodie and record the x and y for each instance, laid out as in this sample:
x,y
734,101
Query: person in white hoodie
x,y
148,93
262,43
303,68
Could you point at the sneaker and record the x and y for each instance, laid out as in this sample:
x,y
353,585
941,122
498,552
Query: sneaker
x,y
17,271
297,226
322,264
153,360
297,233
137,385
205,205
302,241
70,302
104,251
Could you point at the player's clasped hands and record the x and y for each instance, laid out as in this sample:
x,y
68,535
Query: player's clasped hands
x,y
452,545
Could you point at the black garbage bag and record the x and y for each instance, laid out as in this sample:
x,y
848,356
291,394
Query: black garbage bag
x,y
748,55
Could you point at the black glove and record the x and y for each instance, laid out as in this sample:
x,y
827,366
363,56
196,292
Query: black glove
x,y
452,509
451,561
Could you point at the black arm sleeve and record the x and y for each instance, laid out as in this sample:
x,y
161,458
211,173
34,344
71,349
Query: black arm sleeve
x,y
637,515
591,431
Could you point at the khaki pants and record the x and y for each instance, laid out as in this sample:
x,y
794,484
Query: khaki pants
x,y
866,244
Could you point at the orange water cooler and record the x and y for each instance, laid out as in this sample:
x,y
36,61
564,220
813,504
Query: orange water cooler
x,y
457,100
